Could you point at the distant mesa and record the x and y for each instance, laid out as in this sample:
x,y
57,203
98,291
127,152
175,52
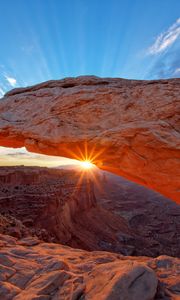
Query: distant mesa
x,y
128,127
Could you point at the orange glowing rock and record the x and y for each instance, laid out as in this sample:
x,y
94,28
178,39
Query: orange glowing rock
x,y
129,127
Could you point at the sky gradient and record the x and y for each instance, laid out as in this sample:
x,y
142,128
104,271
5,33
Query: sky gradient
x,y
53,39
20,156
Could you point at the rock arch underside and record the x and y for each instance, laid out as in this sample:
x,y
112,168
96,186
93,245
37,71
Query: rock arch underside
x,y
128,127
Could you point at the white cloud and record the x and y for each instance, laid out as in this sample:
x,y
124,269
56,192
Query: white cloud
x,y
2,92
165,39
12,81
177,71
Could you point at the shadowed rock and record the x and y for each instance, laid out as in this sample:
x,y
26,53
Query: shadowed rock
x,y
103,212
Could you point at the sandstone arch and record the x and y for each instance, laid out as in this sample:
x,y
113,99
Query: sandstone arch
x,y
131,126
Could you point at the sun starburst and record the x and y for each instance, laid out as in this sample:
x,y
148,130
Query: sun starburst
x,y
86,164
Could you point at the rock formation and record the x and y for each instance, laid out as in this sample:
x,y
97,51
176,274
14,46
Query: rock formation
x,y
128,127
31,269
103,212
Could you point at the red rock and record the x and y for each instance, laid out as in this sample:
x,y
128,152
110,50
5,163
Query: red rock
x,y
53,271
14,231
8,291
132,125
127,281
110,214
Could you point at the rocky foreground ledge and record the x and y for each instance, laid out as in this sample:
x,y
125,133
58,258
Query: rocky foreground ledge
x,y
32,269
131,126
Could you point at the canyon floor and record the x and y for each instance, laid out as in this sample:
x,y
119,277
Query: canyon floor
x,y
96,236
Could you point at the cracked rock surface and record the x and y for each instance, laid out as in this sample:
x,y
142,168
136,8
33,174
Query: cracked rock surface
x,y
32,269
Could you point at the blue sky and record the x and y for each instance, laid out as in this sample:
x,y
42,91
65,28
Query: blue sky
x,y
52,39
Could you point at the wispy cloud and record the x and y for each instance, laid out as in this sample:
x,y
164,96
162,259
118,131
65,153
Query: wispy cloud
x,y
12,81
177,71
167,66
165,39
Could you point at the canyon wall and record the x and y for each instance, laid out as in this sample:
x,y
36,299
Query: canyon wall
x,y
128,127
46,201
102,212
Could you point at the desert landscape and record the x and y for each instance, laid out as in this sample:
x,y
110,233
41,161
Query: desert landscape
x,y
90,150
113,226
103,212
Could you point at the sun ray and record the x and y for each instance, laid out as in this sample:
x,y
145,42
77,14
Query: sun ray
x,y
86,150
97,182
82,155
78,183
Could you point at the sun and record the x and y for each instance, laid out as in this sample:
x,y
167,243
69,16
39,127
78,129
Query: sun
x,y
86,164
